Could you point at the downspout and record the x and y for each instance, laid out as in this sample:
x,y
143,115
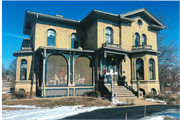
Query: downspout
x,y
44,60
35,32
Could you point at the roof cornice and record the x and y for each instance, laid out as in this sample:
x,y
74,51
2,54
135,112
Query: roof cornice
x,y
31,17
149,14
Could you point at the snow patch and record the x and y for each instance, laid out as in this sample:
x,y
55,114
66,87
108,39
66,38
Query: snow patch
x,y
6,92
46,113
172,113
19,106
116,102
157,101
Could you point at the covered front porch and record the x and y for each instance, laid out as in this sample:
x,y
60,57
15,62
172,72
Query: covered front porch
x,y
63,72
112,57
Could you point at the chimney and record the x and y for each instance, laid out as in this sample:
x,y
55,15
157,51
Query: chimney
x,y
59,16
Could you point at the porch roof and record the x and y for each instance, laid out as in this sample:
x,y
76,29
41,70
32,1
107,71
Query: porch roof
x,y
64,50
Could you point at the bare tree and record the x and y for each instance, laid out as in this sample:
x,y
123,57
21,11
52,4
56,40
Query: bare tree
x,y
3,70
169,56
12,69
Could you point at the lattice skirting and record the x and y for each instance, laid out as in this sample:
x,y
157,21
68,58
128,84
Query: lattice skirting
x,y
80,91
64,92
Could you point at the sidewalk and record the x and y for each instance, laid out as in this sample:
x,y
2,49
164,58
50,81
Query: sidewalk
x,y
139,102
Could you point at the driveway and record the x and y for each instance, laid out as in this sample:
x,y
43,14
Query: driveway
x,y
134,112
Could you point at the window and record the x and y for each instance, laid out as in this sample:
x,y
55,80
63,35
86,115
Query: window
x,y
137,39
23,71
56,70
83,71
74,41
139,69
51,35
139,23
109,36
144,39
151,69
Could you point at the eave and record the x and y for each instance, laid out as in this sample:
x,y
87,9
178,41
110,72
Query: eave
x,y
146,15
31,17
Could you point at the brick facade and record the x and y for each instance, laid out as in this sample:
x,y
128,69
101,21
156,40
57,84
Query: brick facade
x,y
91,36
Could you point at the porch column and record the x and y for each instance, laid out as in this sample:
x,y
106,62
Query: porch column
x,y
44,60
96,70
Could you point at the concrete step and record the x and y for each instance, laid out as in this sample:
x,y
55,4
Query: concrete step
x,y
122,93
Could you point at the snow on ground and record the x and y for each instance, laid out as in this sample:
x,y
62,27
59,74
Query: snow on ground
x,y
46,113
6,92
116,102
173,113
153,118
172,92
153,100
19,106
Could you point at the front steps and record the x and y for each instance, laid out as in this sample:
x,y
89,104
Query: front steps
x,y
122,93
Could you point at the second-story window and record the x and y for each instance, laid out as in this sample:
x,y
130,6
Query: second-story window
x,y
136,37
109,35
51,36
144,39
74,41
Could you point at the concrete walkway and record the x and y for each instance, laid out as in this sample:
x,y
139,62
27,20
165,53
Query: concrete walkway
x,y
139,102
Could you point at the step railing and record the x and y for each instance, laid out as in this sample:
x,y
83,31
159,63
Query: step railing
x,y
131,89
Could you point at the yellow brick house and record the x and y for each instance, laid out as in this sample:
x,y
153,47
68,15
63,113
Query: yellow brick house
x,y
65,57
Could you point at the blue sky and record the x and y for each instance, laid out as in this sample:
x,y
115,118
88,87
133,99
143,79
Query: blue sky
x,y
13,17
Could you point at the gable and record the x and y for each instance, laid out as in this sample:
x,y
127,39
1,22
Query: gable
x,y
154,22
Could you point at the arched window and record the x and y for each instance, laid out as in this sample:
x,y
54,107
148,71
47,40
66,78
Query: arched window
x,y
144,39
109,35
83,71
139,69
151,69
51,36
144,93
137,38
153,91
56,70
74,41
23,71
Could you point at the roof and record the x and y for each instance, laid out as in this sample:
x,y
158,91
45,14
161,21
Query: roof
x,y
22,52
31,17
154,21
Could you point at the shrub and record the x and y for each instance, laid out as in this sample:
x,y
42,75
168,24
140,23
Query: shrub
x,y
19,94
150,95
95,94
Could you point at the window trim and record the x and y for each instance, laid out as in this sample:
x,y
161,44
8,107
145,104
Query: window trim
x,y
139,24
74,41
153,69
51,37
111,34
136,68
135,39
144,39
22,68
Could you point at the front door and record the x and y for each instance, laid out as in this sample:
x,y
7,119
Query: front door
x,y
108,64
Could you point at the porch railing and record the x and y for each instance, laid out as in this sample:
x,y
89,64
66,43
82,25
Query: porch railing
x,y
118,46
142,47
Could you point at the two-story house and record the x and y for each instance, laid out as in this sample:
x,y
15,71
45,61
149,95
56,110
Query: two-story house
x,y
65,57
